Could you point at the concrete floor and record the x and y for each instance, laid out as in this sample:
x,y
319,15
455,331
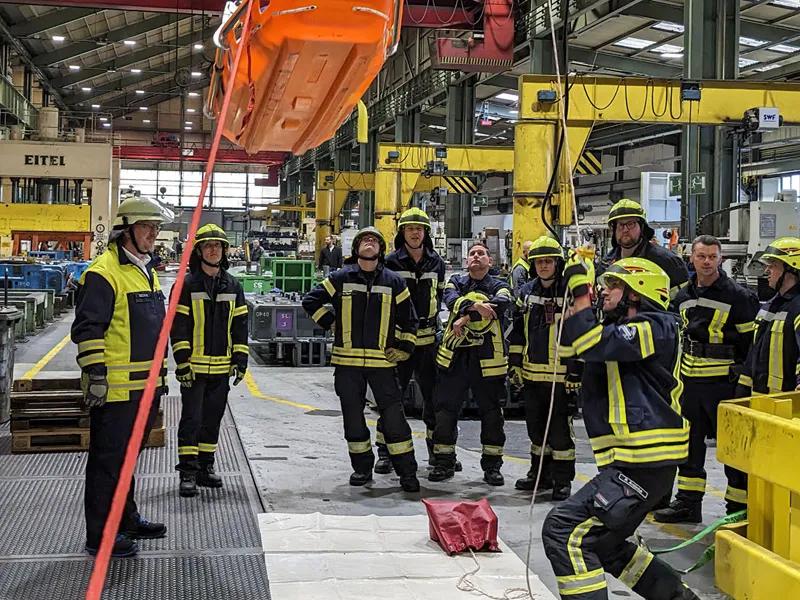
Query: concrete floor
x,y
289,421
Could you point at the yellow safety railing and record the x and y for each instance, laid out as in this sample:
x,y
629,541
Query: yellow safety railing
x,y
760,558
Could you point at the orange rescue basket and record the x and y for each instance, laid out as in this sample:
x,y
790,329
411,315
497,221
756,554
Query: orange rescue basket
x,y
303,70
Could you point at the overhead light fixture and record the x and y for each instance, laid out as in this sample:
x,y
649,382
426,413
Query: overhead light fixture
x,y
669,26
140,92
106,124
198,46
193,94
145,120
129,42
440,127
190,110
481,134
509,96
187,128
142,108
188,123
95,106
136,71
671,55
634,43
768,67
668,49
58,38
104,119
746,62
74,68
787,3
86,89
784,48
751,42
196,74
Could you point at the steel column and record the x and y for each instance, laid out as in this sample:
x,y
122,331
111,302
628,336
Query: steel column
x,y
460,126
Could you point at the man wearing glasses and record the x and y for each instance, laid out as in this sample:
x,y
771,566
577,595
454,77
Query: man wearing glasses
x,y
631,237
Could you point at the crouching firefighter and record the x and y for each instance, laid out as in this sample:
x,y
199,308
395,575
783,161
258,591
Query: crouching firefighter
x,y
118,318
209,342
632,416
415,260
375,329
472,357
535,363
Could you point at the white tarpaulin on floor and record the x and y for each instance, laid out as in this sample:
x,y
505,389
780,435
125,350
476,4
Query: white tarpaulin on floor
x,y
331,557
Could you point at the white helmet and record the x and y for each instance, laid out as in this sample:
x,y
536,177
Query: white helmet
x,y
133,209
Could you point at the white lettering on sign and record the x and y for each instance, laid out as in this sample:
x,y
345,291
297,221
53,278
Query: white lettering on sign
x,y
45,160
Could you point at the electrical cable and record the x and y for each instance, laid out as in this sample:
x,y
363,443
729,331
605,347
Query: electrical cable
x,y
94,590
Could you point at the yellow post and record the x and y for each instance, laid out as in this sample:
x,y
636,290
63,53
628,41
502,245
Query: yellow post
x,y
387,191
324,217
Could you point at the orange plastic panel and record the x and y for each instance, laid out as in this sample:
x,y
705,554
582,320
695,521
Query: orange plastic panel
x,y
309,64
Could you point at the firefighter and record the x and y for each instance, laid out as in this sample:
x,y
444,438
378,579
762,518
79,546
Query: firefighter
x,y
118,317
209,343
375,329
415,260
717,315
632,416
631,235
521,271
472,357
773,364
535,364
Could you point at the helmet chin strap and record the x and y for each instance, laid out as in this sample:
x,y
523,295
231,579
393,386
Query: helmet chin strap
x,y
414,247
133,241
359,257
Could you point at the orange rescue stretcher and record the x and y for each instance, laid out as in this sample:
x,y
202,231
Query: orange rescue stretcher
x,y
303,70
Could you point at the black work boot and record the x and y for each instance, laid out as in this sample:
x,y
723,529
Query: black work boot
x,y
680,511
561,490
358,479
145,530
493,476
527,483
206,477
188,485
409,483
456,466
124,547
441,473
384,463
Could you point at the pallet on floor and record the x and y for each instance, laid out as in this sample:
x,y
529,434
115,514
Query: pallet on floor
x,y
67,440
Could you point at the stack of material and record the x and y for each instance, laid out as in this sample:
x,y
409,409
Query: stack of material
x,y
48,415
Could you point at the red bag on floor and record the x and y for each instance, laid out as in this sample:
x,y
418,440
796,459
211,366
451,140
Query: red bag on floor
x,y
458,525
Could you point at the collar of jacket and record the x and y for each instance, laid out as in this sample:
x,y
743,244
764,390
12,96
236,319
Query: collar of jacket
x,y
718,282
791,293
124,260
427,255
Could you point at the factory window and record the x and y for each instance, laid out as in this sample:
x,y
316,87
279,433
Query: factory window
x,y
790,182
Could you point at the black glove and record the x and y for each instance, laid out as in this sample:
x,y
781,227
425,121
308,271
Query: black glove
x,y
238,372
95,389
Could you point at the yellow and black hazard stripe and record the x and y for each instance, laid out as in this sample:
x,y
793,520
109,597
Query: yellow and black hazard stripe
x,y
461,185
589,164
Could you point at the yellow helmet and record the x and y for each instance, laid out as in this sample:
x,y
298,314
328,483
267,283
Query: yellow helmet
x,y
211,232
642,276
544,247
626,209
133,209
786,250
415,216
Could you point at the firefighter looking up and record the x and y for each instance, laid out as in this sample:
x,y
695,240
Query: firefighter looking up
x,y
209,343
415,260
375,330
521,271
118,316
631,235
535,363
717,315
773,364
632,415
472,357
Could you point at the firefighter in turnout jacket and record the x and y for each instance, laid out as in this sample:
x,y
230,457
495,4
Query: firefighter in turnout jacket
x,y
534,362
415,260
209,343
375,329
118,316
631,235
521,271
773,364
472,357
717,315
632,415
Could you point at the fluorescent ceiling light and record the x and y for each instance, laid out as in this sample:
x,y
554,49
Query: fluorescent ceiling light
x,y
104,119
188,123
753,43
74,68
106,124
439,127
145,120
187,128
58,38
480,134
746,62
784,48
86,89
672,55
193,94
190,110
129,42
668,49
196,74
669,26
787,3
768,67
140,92
95,106
198,46
510,96
136,71
633,42
142,108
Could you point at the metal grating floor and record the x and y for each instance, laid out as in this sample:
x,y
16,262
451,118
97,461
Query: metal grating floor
x,y
212,549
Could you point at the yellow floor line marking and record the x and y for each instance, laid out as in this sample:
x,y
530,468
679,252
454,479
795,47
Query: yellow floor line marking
x,y
34,370
254,389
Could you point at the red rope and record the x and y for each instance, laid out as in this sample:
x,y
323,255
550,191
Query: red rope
x,y
97,581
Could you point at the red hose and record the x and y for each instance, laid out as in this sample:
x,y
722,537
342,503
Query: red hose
x,y
97,581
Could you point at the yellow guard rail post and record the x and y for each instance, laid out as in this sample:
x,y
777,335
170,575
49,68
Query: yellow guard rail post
x,y
760,558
